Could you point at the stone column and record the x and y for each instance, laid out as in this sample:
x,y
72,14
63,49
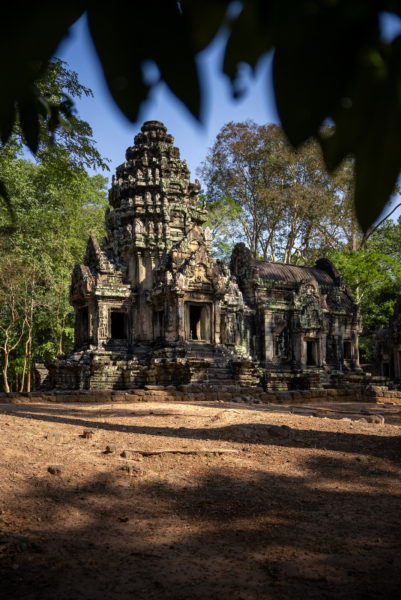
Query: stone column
x,y
92,322
302,351
132,320
341,345
168,320
141,269
181,318
322,354
216,329
103,328
268,333
147,316
148,263
355,350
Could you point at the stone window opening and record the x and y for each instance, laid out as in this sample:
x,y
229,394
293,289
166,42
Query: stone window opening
x,y
118,327
347,350
311,354
386,369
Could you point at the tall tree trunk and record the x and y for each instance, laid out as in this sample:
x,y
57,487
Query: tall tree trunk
x,y
5,369
24,367
28,379
29,340
354,240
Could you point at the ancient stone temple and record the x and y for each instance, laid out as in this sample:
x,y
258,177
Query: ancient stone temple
x,y
152,307
304,322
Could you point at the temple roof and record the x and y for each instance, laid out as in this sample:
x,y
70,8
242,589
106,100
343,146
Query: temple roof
x,y
292,273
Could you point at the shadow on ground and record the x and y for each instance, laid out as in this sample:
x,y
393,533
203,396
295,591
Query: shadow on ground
x,y
227,535
256,433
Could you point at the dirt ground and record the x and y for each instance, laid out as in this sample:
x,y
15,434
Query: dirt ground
x,y
246,502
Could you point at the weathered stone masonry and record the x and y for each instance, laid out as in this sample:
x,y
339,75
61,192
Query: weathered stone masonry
x,y
305,323
387,346
153,307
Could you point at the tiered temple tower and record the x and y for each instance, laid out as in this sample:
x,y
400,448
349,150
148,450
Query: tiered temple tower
x,y
151,302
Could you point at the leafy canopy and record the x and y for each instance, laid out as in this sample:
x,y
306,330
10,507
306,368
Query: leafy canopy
x,y
282,203
373,273
56,205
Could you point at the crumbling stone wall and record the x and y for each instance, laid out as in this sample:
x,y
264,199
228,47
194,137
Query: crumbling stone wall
x,y
353,391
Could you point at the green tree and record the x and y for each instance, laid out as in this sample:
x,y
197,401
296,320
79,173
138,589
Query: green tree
x,y
56,205
55,209
282,203
222,221
373,274
13,298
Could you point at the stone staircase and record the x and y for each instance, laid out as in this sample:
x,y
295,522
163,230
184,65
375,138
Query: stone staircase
x,y
221,373
212,365
200,351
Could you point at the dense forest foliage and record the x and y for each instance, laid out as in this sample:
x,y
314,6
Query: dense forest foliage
x,y
55,204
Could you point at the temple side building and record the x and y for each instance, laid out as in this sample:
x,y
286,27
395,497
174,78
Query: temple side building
x,y
387,346
153,307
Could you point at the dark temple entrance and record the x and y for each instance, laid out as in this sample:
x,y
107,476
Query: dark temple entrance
x,y
347,350
195,322
198,321
118,325
311,353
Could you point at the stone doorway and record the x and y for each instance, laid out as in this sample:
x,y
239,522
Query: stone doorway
x,y
347,350
195,322
198,321
118,325
311,353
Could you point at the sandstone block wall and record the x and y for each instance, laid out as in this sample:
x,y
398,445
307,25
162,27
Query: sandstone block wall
x,y
202,392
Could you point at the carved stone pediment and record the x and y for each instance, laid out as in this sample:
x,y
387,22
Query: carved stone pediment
x,y
95,258
82,281
309,305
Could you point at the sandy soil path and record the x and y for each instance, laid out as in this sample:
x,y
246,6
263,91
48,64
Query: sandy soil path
x,y
305,505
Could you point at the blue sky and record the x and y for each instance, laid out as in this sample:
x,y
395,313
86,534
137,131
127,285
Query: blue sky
x,y
114,133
